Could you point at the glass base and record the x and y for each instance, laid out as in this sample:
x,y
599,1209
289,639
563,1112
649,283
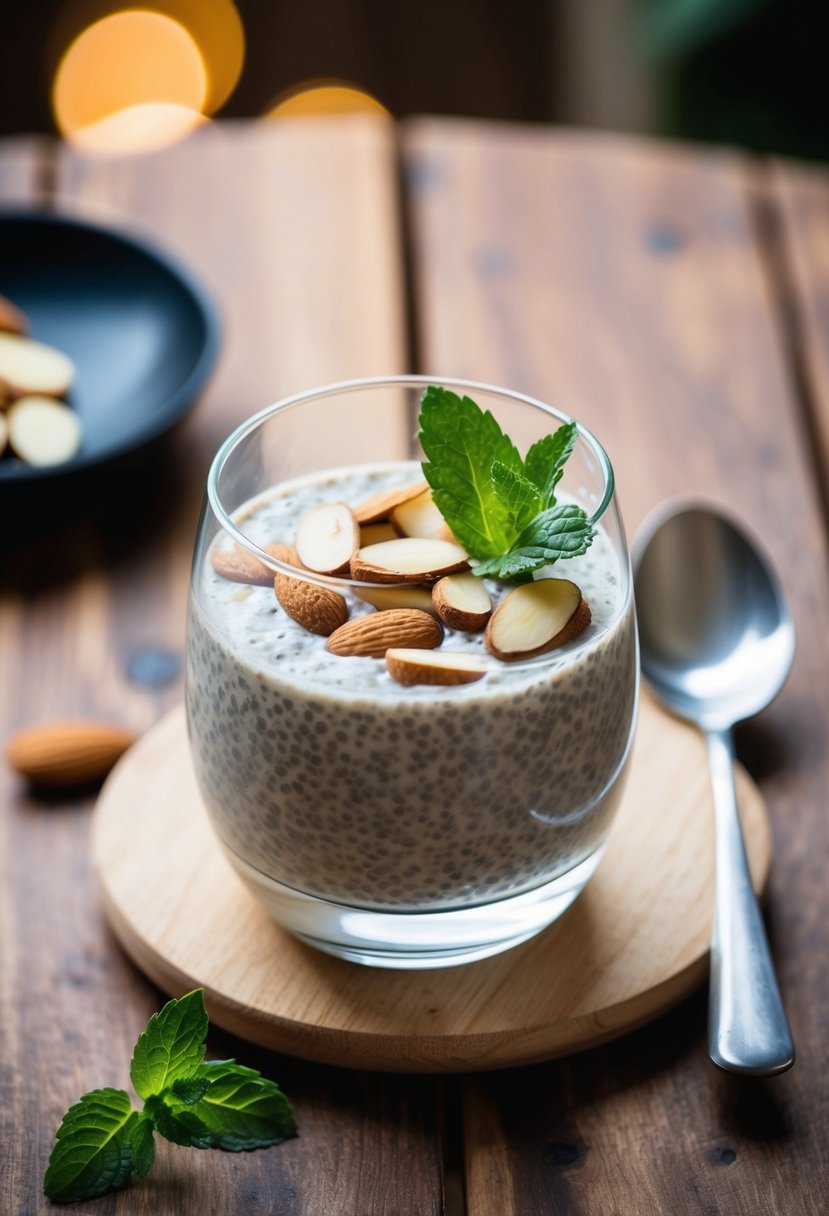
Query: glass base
x,y
416,940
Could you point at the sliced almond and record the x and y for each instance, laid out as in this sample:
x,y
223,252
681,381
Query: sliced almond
x,y
381,505
29,368
318,609
327,538
12,320
43,431
419,516
63,754
462,602
408,560
239,565
434,667
384,598
535,618
371,636
372,534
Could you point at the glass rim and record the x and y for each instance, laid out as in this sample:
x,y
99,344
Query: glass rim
x,y
339,387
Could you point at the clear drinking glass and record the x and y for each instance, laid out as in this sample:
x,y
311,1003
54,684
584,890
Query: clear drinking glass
x,y
400,827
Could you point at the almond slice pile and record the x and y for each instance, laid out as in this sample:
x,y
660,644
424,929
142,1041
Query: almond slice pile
x,y
423,582
39,427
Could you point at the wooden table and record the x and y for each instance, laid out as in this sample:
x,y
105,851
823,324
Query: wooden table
x,y
677,301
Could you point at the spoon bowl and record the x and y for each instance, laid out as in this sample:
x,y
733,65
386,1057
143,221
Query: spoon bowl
x,y
716,635
717,643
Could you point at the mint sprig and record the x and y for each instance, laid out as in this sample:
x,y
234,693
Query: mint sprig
x,y
102,1140
501,508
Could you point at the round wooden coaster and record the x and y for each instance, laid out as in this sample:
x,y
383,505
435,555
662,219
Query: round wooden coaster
x,y
633,944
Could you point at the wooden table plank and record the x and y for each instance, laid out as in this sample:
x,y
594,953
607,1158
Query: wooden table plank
x,y
623,283
802,199
294,228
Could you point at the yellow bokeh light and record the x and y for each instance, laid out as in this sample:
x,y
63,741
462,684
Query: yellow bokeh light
x,y
217,28
326,98
130,82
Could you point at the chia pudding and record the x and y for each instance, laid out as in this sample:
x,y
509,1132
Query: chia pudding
x,y
322,773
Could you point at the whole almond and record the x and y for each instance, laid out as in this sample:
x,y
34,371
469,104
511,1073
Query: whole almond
x,y
318,609
411,559
535,618
239,565
380,506
64,754
371,636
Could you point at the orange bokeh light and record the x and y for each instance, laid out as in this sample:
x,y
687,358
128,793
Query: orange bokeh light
x,y
325,97
130,82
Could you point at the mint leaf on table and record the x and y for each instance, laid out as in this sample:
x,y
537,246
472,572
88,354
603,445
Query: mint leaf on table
x,y
461,443
545,461
142,1143
562,531
172,1045
177,1123
242,1109
103,1140
93,1150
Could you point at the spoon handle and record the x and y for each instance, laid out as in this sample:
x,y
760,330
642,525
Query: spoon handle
x,y
747,1027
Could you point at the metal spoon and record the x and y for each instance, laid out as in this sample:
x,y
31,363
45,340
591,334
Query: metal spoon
x,y
717,643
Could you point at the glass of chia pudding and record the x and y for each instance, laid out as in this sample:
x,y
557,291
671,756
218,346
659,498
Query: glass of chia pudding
x,y
409,764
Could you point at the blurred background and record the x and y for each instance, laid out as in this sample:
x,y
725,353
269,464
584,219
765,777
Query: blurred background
x,y
118,77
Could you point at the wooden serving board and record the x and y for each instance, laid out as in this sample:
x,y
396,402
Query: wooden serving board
x,y
632,945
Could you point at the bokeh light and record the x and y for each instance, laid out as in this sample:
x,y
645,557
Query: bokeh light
x,y
325,97
131,81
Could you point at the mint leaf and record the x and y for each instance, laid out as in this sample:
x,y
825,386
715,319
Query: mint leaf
x,y
142,1144
562,531
242,1109
462,443
189,1089
93,1150
177,1123
172,1045
517,495
544,465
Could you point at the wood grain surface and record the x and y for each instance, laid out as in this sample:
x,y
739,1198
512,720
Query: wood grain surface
x,y
633,284
626,283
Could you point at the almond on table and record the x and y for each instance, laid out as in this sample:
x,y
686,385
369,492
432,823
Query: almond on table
x,y
64,754
535,618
